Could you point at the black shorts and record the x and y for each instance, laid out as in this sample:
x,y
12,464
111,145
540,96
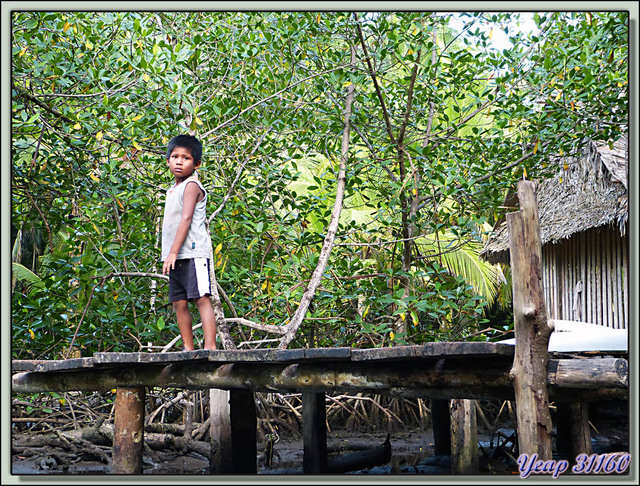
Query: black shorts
x,y
189,280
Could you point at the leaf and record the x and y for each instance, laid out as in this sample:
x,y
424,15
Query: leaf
x,y
146,77
99,135
198,121
24,49
22,273
535,147
77,126
66,27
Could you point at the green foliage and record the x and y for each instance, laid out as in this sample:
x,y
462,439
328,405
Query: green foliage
x,y
440,119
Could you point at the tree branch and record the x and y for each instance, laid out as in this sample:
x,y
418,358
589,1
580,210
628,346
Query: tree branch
x,y
297,318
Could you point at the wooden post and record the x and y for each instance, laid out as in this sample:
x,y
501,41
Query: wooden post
x,y
532,330
128,434
314,432
572,427
221,460
244,428
464,437
233,432
441,424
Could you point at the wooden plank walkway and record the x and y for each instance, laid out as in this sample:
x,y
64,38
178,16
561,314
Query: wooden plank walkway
x,y
440,350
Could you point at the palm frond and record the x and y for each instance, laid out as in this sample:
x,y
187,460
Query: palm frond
x,y
463,259
23,274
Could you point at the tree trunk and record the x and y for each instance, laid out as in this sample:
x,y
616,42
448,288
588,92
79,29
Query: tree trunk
x,y
532,331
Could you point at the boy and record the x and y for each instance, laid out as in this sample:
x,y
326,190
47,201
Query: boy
x,y
186,244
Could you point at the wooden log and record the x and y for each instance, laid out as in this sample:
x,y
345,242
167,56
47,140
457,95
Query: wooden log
x,y
128,436
372,457
440,379
464,437
589,373
314,432
532,330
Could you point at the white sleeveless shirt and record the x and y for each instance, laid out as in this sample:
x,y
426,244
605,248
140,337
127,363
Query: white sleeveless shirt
x,y
197,243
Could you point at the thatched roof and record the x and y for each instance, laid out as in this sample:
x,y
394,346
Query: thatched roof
x,y
591,192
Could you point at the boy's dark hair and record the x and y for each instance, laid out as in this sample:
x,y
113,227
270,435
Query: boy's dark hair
x,y
189,142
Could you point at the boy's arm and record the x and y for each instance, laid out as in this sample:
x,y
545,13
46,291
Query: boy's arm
x,y
191,195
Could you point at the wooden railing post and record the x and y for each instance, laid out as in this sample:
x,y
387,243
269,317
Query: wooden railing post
x,y
532,330
128,434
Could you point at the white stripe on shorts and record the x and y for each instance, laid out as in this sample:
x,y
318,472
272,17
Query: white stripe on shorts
x,y
202,276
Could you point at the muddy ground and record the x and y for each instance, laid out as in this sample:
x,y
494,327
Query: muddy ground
x,y
412,453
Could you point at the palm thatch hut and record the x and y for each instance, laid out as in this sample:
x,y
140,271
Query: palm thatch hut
x,y
584,223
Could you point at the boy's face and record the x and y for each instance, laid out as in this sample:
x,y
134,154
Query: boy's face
x,y
181,163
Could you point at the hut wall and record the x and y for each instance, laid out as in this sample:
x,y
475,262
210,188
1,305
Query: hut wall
x,y
586,277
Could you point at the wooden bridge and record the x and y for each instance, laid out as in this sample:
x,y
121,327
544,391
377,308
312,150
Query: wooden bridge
x,y
440,371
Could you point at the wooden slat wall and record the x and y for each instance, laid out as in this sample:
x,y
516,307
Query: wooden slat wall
x,y
598,258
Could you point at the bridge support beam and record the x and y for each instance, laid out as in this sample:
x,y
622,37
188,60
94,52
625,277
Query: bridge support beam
x,y
464,437
233,432
441,424
128,434
573,435
314,432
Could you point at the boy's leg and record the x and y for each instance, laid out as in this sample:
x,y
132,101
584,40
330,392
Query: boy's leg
x,y
208,321
185,323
